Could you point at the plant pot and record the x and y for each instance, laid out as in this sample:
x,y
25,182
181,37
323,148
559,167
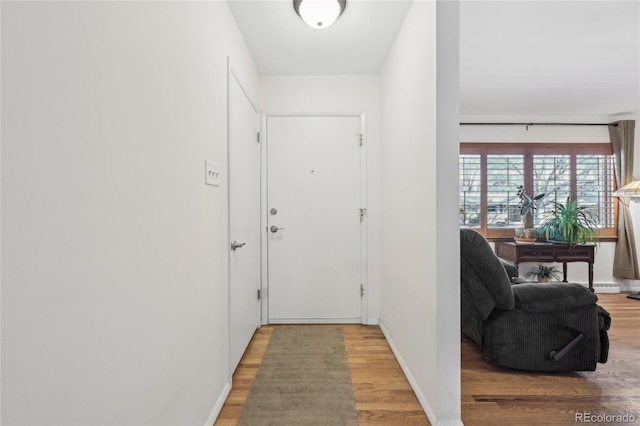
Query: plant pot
x,y
526,235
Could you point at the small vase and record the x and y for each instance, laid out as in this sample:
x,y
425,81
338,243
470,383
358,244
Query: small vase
x,y
526,235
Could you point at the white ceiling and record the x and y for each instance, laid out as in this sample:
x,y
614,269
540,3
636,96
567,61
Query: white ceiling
x,y
540,57
282,44
516,57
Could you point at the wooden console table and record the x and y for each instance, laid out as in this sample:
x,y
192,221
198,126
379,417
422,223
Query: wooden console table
x,y
547,252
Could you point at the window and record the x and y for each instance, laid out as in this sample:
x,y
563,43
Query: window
x,y
504,173
470,184
491,173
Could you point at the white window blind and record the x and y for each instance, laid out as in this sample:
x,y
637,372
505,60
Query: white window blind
x,y
594,185
504,174
551,176
470,188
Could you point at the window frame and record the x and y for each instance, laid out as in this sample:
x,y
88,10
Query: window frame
x,y
528,150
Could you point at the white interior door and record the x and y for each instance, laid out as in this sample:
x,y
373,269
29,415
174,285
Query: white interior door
x,y
244,221
314,219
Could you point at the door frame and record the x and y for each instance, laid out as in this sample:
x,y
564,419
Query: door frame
x,y
264,135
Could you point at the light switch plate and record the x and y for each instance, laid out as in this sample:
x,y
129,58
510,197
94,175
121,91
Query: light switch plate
x,y
212,173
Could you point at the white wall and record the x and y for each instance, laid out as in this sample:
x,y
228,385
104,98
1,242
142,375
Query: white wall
x,y
634,207
534,133
420,244
339,95
114,252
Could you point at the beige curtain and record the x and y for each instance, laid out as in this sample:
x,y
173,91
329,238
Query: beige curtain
x,y
625,262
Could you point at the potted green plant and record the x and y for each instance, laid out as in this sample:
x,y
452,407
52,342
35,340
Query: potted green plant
x,y
570,223
527,206
543,273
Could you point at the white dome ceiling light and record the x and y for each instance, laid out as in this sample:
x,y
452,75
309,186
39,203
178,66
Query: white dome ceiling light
x,y
319,14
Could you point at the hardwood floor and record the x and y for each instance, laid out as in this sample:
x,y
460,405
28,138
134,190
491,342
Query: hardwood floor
x,y
490,395
381,390
382,393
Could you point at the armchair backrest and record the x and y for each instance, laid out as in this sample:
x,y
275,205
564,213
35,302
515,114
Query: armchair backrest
x,y
484,280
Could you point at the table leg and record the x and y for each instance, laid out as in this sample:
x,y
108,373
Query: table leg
x,y
591,277
564,272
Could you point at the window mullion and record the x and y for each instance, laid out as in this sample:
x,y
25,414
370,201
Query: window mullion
x,y
574,174
483,191
528,171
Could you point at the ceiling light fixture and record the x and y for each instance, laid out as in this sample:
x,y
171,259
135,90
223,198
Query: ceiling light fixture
x,y
319,14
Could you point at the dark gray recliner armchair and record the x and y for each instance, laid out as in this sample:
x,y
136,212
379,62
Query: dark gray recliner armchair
x,y
528,326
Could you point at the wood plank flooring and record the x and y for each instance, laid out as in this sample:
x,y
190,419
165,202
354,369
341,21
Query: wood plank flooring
x,y
382,393
497,396
490,395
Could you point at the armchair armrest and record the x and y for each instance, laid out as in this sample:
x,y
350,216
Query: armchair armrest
x,y
509,267
547,297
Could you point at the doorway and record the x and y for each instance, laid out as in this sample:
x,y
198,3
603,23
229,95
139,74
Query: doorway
x,y
244,221
316,219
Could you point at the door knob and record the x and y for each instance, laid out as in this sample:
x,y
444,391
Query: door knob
x,y
236,245
275,229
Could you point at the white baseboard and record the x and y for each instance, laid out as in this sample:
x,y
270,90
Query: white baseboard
x,y
219,403
629,285
414,385
369,321
315,320
606,288
412,381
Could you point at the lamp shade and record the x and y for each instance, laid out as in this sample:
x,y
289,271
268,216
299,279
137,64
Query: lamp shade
x,y
632,189
319,14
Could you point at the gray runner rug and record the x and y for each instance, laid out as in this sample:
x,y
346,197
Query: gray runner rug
x,y
303,381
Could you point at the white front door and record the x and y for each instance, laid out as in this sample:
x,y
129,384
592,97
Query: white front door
x,y
244,221
314,194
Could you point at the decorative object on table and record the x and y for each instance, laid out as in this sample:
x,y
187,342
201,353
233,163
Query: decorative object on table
x,y
527,206
570,223
543,273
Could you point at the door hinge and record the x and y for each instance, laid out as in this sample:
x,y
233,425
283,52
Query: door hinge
x,y
361,290
361,139
259,294
363,213
258,137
